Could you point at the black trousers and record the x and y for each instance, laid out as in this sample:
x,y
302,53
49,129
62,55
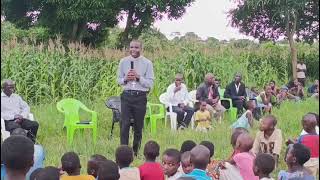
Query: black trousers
x,y
133,105
239,104
180,115
30,126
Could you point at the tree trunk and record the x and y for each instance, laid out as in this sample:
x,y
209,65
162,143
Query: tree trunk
x,y
124,39
74,31
294,55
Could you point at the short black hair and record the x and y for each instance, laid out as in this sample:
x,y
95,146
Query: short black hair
x,y
185,178
173,153
70,162
265,163
34,174
235,134
316,115
108,170
124,155
17,153
301,152
98,157
273,118
187,146
209,145
48,173
151,150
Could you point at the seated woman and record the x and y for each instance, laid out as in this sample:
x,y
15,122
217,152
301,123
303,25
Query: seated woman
x,y
266,99
246,120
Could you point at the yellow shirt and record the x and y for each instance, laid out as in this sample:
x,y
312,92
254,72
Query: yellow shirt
x,y
200,115
80,177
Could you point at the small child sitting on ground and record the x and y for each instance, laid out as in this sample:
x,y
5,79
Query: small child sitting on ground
x,y
171,163
317,126
93,164
246,120
71,165
203,118
186,164
151,170
124,157
296,156
108,170
263,166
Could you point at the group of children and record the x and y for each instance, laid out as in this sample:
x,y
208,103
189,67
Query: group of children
x,y
251,159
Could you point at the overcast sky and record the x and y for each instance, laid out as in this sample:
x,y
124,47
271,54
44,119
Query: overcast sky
x,y
207,18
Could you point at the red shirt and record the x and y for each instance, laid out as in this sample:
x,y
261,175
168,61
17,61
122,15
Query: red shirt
x,y
151,171
312,142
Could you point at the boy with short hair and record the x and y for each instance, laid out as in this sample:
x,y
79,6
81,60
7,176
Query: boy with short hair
x,y
124,157
187,146
71,164
186,165
93,164
203,118
269,138
17,156
151,170
108,170
212,167
48,173
171,163
263,166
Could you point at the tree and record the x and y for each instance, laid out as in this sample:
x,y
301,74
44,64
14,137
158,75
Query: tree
x,y
142,13
190,36
297,20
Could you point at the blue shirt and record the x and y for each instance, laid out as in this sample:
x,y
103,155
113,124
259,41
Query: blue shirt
x,y
198,174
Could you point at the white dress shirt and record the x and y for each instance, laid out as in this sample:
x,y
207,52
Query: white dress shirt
x,y
13,105
179,97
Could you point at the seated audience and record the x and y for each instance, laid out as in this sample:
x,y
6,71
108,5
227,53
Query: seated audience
x,y
317,126
236,91
203,118
209,93
313,90
253,93
15,111
274,89
151,170
35,173
296,156
266,99
186,165
263,166
269,138
124,157
246,120
94,163
171,163
187,146
71,165
17,156
235,134
48,173
108,170
178,96
199,157
212,168
296,89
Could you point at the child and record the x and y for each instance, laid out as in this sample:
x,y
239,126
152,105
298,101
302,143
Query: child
x,y
93,164
244,159
171,163
274,88
317,126
264,164
35,173
151,170
269,138
246,120
212,167
48,173
296,156
187,146
124,157
311,140
203,118
186,164
71,164
108,170
235,134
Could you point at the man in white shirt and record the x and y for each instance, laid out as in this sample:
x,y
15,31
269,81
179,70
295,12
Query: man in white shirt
x,y
301,72
178,96
15,111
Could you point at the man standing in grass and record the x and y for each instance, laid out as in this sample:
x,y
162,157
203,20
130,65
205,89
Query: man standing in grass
x,y
135,75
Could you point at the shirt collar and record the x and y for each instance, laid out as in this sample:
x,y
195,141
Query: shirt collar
x,y
3,94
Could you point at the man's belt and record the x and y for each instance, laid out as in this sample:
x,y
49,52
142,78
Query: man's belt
x,y
135,92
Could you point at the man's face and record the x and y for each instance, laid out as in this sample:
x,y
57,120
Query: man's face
x,y
178,81
296,82
135,49
169,165
210,80
268,90
9,88
237,78
271,84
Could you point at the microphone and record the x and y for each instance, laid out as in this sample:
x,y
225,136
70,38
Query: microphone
x,y
132,65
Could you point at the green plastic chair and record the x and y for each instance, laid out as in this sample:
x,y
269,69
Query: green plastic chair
x,y
232,111
70,108
152,117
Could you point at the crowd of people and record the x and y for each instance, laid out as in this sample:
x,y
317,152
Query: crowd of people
x,y
251,159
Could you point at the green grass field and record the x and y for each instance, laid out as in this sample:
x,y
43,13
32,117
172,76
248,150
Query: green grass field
x,y
53,137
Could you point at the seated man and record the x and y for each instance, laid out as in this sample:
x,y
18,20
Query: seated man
x,y
208,92
296,89
15,111
236,91
178,96
313,90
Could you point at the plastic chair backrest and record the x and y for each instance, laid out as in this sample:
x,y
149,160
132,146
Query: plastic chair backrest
x,y
221,92
70,107
114,102
163,98
192,95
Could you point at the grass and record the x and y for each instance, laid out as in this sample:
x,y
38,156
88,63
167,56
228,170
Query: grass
x,y
53,137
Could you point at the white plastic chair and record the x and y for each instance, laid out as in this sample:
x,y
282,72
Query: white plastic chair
x,y
172,115
4,133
